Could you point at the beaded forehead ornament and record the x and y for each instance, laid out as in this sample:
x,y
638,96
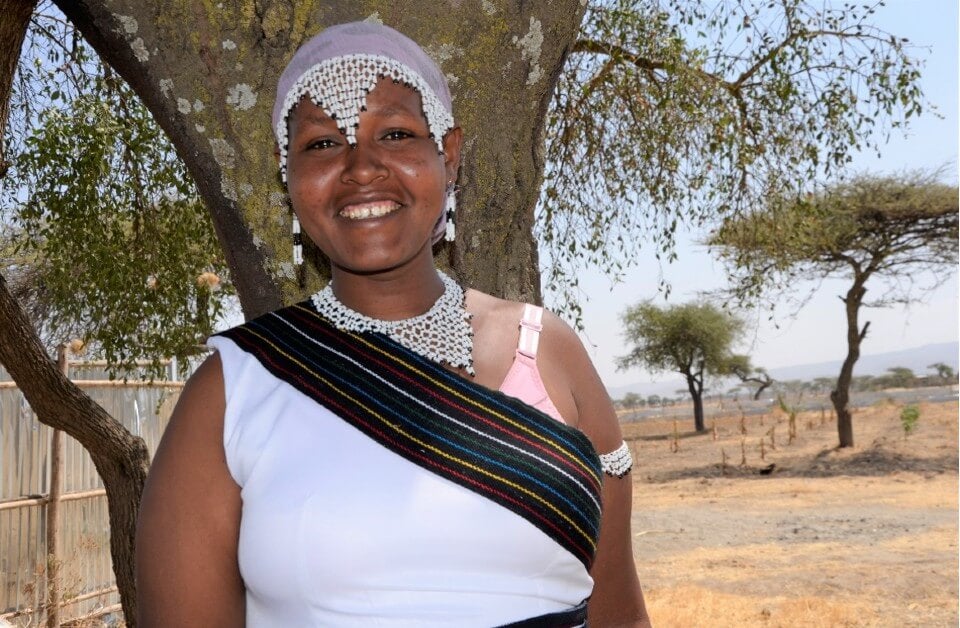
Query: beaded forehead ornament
x,y
341,65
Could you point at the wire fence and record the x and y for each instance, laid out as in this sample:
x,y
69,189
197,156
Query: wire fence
x,y
54,526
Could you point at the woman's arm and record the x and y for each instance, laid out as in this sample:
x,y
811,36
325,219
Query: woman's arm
x,y
187,533
617,599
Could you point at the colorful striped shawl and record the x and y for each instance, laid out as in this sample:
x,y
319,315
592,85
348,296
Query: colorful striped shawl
x,y
542,470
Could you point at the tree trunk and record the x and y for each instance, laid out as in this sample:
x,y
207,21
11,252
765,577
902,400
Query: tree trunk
x,y
695,386
120,458
763,387
209,76
840,396
13,29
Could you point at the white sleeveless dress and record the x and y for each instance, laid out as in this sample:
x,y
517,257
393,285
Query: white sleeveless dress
x,y
336,530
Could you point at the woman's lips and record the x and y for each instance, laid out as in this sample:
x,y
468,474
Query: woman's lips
x,y
376,209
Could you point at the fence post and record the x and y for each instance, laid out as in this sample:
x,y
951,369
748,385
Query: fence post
x,y
53,509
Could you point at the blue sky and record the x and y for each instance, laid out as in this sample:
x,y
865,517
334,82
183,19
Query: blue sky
x,y
817,332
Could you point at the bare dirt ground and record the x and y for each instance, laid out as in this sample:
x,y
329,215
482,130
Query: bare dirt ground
x,y
864,536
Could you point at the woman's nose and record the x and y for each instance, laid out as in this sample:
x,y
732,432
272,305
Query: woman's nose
x,y
363,165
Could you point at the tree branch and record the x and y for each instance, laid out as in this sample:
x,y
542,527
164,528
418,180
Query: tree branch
x,y
649,66
790,39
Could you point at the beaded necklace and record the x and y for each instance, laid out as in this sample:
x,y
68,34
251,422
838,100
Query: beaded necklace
x,y
441,334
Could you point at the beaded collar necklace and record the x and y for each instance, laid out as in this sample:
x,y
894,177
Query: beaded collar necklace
x,y
441,334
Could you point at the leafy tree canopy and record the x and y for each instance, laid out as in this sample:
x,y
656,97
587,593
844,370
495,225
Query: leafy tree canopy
x,y
107,238
682,338
693,339
890,226
672,111
900,376
741,366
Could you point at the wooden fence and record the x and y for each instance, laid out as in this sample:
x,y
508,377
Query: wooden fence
x,y
54,529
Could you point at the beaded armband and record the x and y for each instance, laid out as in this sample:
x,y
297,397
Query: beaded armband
x,y
618,462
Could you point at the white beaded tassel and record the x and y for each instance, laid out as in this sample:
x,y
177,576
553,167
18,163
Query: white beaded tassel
x,y
451,206
297,243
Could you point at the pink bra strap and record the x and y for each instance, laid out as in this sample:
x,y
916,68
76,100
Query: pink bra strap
x,y
530,330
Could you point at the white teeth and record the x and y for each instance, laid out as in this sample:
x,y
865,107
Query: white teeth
x,y
368,210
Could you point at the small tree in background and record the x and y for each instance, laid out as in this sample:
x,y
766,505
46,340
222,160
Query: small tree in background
x,y
909,416
900,377
902,228
740,366
944,372
631,400
692,339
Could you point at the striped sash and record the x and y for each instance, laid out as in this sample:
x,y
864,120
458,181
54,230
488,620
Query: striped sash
x,y
542,470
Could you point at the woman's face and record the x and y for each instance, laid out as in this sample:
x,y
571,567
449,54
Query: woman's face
x,y
372,207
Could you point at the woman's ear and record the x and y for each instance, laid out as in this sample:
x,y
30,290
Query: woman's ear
x,y
451,152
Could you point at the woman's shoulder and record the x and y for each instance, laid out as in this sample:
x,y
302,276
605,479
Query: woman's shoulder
x,y
489,310
563,362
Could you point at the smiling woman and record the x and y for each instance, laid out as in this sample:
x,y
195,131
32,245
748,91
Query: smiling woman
x,y
396,450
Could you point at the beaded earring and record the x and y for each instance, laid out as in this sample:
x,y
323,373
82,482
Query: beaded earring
x,y
297,243
450,208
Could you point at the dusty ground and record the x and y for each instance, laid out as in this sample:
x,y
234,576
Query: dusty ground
x,y
865,536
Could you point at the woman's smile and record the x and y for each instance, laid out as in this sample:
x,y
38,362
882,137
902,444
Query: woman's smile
x,y
375,209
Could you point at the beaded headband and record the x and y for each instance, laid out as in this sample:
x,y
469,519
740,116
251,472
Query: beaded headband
x,y
340,66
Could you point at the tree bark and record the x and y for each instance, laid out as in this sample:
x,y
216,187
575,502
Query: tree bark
x,y
13,29
120,458
695,386
209,75
840,396
763,386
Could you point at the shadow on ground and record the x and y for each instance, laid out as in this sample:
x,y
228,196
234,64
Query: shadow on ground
x,y
877,460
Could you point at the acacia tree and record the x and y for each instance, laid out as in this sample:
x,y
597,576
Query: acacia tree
x,y
119,457
740,366
692,339
945,372
902,229
900,377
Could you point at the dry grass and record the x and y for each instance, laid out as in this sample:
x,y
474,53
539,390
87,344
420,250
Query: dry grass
x,y
686,606
865,536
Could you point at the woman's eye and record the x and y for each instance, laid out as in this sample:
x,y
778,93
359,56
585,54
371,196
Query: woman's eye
x,y
397,134
321,144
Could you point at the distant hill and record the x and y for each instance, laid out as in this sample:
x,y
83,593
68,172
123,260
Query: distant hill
x,y
916,359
